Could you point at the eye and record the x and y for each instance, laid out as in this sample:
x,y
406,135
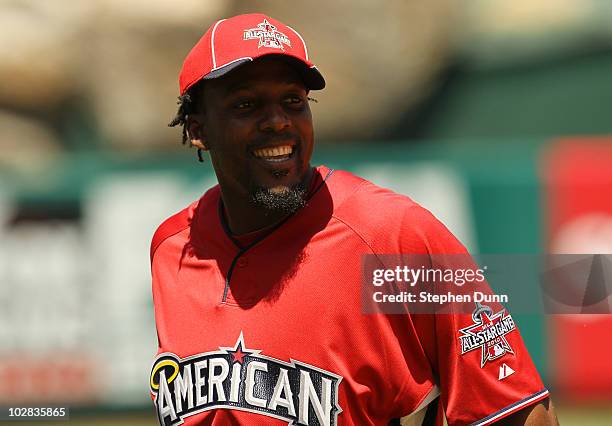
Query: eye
x,y
294,101
244,104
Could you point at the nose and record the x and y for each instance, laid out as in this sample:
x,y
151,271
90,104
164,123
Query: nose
x,y
275,119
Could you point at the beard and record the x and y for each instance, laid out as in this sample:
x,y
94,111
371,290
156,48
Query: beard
x,y
285,200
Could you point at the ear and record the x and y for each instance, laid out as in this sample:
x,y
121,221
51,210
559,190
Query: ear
x,y
196,131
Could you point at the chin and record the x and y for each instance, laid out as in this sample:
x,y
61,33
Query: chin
x,y
280,189
280,182
280,198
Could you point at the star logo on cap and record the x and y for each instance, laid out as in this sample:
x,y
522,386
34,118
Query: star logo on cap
x,y
268,36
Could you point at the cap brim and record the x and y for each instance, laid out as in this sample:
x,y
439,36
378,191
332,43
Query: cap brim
x,y
309,73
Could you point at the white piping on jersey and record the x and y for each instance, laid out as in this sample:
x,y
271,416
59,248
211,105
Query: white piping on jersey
x,y
511,408
303,43
212,42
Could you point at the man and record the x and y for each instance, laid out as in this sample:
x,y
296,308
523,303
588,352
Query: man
x,y
257,284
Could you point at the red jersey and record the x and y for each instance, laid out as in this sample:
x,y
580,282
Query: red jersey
x,y
269,329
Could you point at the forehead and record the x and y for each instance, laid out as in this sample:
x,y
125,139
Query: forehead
x,y
265,72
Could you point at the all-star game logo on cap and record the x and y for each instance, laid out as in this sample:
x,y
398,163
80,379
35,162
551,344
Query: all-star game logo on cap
x,y
488,334
268,36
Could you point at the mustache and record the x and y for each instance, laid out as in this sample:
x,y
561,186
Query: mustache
x,y
275,138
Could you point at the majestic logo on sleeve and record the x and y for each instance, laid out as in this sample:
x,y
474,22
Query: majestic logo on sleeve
x,y
268,36
487,333
242,379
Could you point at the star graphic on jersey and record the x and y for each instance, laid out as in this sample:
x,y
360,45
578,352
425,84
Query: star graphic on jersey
x,y
489,334
238,355
239,351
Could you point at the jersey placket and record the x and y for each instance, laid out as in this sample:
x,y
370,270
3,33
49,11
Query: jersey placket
x,y
240,260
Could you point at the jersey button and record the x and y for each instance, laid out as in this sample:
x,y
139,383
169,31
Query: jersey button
x,y
242,262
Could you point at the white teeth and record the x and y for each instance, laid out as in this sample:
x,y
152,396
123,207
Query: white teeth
x,y
273,152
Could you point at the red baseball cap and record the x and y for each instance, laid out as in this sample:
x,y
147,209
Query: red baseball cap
x,y
231,42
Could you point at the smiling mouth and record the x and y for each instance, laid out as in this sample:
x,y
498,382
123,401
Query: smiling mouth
x,y
276,154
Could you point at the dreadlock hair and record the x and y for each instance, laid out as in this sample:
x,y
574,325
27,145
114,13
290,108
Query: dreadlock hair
x,y
188,104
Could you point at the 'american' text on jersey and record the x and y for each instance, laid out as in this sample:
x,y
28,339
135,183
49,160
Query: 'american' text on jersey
x,y
241,379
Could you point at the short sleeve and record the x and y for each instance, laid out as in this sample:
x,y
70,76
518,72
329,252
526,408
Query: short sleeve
x,y
485,382
480,362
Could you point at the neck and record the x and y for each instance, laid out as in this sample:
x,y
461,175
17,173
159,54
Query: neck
x,y
243,216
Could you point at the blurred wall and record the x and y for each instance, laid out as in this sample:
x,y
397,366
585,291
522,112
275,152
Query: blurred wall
x,y
102,74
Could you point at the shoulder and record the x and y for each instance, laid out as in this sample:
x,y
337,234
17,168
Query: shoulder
x,y
178,222
172,226
363,203
389,221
